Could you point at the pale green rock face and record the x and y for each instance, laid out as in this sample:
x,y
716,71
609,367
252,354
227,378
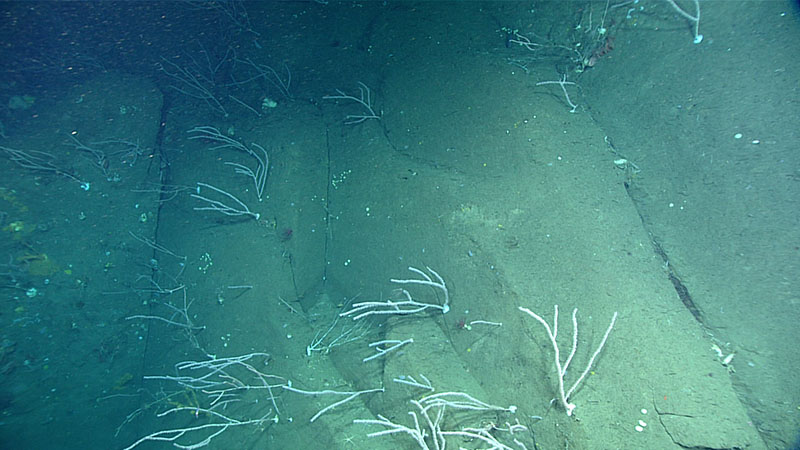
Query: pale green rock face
x,y
19,102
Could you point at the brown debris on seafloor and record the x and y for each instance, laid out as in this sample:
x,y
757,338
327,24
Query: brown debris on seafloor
x,y
600,51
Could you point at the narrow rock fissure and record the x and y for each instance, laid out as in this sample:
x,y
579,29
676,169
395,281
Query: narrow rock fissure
x,y
674,278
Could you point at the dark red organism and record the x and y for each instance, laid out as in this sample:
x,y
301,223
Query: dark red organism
x,y
286,234
603,50
461,324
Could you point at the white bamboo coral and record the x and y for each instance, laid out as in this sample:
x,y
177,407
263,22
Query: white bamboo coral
x,y
407,306
563,395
